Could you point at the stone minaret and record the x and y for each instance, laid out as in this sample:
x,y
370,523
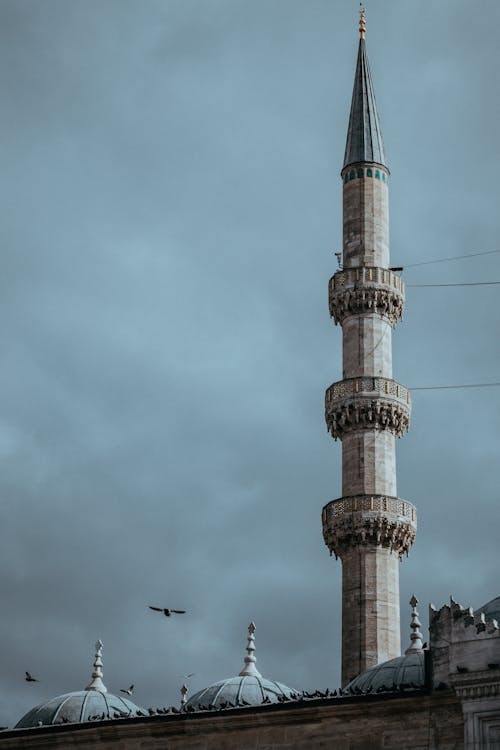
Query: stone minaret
x,y
369,527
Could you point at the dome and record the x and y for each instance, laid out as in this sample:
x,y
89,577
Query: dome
x,y
82,705
491,609
92,704
402,673
240,691
247,688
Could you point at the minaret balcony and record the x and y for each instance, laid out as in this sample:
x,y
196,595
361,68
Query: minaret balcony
x,y
370,520
366,289
368,403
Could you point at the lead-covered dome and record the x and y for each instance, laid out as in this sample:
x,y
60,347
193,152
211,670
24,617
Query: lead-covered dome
x,y
491,609
241,691
82,705
247,688
92,704
402,673
405,672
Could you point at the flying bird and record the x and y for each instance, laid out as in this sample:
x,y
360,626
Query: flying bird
x,y
129,690
29,678
186,676
168,612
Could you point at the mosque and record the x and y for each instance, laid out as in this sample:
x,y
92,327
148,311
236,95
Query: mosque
x,y
444,694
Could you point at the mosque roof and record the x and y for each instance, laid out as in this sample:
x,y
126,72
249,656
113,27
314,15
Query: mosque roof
x,y
247,688
402,673
405,672
82,705
93,703
491,609
364,135
241,691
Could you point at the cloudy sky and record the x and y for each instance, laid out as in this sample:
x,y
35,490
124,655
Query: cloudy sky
x,y
171,203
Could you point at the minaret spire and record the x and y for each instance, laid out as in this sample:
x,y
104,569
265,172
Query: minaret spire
x,y
370,528
362,21
364,135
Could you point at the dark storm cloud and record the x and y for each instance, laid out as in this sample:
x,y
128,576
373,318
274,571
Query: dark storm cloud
x,y
171,201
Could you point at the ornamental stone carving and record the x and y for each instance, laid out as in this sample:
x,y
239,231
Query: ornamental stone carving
x,y
355,291
367,403
369,520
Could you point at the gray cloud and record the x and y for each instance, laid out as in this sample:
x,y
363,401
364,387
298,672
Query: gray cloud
x,y
171,201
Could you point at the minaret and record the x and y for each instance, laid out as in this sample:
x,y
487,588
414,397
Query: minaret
x,y
369,527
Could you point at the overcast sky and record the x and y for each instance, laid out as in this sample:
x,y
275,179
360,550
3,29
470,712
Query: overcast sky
x,y
170,205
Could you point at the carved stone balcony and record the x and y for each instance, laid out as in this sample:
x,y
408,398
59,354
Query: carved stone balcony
x,y
370,520
355,291
367,404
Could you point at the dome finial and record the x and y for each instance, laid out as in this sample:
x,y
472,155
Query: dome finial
x,y
184,692
250,670
97,675
416,647
362,21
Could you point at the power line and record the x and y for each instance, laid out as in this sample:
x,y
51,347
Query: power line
x,y
456,257
446,387
465,283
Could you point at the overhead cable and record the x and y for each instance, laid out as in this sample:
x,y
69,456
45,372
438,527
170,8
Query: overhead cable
x,y
445,387
464,283
456,257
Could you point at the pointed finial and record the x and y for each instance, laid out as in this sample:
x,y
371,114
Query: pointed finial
x,y
97,683
362,21
184,692
416,646
250,670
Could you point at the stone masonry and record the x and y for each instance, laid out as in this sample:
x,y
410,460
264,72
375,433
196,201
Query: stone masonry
x,y
369,527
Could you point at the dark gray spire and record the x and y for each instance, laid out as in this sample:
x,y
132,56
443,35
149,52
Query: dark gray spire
x,y
364,137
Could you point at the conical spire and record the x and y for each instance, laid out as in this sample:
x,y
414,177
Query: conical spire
x,y
416,646
96,682
364,136
250,670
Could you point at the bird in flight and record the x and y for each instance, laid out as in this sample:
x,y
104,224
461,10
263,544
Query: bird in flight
x,y
129,690
186,676
168,612
29,678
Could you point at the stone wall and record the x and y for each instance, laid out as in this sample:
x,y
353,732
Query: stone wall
x,y
412,722
465,650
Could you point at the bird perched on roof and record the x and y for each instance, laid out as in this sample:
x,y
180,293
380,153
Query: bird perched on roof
x,y
30,678
128,691
168,612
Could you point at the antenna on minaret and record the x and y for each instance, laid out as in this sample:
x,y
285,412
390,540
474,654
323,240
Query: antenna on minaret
x,y
416,646
362,21
97,675
250,670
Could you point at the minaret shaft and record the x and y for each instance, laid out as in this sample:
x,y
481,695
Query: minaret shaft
x,y
369,463
366,347
370,609
366,217
369,527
